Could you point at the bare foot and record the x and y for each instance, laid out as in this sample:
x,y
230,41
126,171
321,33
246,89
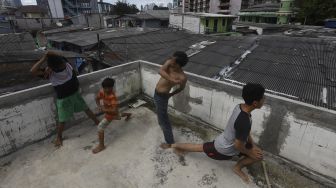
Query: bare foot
x,y
128,116
98,149
165,146
179,152
58,142
241,174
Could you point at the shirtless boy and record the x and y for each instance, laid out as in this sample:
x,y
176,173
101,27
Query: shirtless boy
x,y
171,75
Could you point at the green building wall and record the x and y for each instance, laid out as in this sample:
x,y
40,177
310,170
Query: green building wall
x,y
285,11
222,27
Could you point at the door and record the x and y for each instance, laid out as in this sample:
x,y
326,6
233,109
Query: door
x,y
215,25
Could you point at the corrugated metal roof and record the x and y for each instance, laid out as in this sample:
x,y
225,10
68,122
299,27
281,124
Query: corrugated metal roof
x,y
157,46
301,67
87,38
16,42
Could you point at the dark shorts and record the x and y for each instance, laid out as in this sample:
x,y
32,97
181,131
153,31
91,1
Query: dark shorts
x,y
210,150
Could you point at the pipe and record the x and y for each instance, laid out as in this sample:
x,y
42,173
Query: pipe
x,y
266,175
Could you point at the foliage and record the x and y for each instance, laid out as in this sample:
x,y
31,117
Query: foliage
x,y
121,8
314,12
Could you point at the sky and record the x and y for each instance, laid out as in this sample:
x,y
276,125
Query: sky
x,y
137,2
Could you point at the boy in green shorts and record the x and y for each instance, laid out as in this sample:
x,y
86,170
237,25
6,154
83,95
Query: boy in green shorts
x,y
63,78
110,109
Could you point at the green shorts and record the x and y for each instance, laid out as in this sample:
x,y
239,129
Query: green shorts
x,y
103,124
67,106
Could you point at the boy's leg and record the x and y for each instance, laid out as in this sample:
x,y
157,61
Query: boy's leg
x,y
184,147
161,110
101,145
59,142
101,127
246,161
127,115
92,116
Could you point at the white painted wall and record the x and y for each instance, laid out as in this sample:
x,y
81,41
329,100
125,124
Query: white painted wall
x,y
193,24
175,20
190,23
310,145
214,6
235,6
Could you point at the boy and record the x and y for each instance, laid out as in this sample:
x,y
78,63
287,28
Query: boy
x,y
110,109
64,80
236,140
171,75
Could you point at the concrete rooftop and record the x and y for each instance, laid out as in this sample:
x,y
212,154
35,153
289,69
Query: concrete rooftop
x,y
132,158
298,139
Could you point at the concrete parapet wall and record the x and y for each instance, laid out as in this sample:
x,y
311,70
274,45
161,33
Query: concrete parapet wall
x,y
299,132
30,115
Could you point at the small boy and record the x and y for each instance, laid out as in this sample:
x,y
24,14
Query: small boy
x,y
63,78
110,109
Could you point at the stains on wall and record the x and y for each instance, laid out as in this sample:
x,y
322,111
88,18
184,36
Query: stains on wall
x,y
29,116
293,130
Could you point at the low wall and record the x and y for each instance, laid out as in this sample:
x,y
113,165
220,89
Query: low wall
x,y
30,115
301,133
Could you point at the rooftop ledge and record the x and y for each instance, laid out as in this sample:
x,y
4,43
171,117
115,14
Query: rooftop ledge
x,y
298,138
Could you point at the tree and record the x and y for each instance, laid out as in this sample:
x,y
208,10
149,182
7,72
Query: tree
x,y
314,12
121,8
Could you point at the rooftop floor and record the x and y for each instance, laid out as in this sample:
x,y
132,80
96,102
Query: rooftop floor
x,y
132,158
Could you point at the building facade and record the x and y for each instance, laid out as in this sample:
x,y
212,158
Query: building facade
x,y
228,7
54,7
104,8
202,23
76,7
271,12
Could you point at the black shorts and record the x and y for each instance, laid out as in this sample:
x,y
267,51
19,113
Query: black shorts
x,y
210,151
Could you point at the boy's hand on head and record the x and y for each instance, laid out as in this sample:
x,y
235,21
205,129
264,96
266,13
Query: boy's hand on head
x,y
47,73
50,52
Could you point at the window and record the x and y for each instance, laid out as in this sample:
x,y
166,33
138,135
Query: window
x,y
206,23
223,21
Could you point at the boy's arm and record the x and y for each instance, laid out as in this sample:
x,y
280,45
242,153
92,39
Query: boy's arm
x,y
164,72
36,68
98,100
178,90
250,140
254,153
